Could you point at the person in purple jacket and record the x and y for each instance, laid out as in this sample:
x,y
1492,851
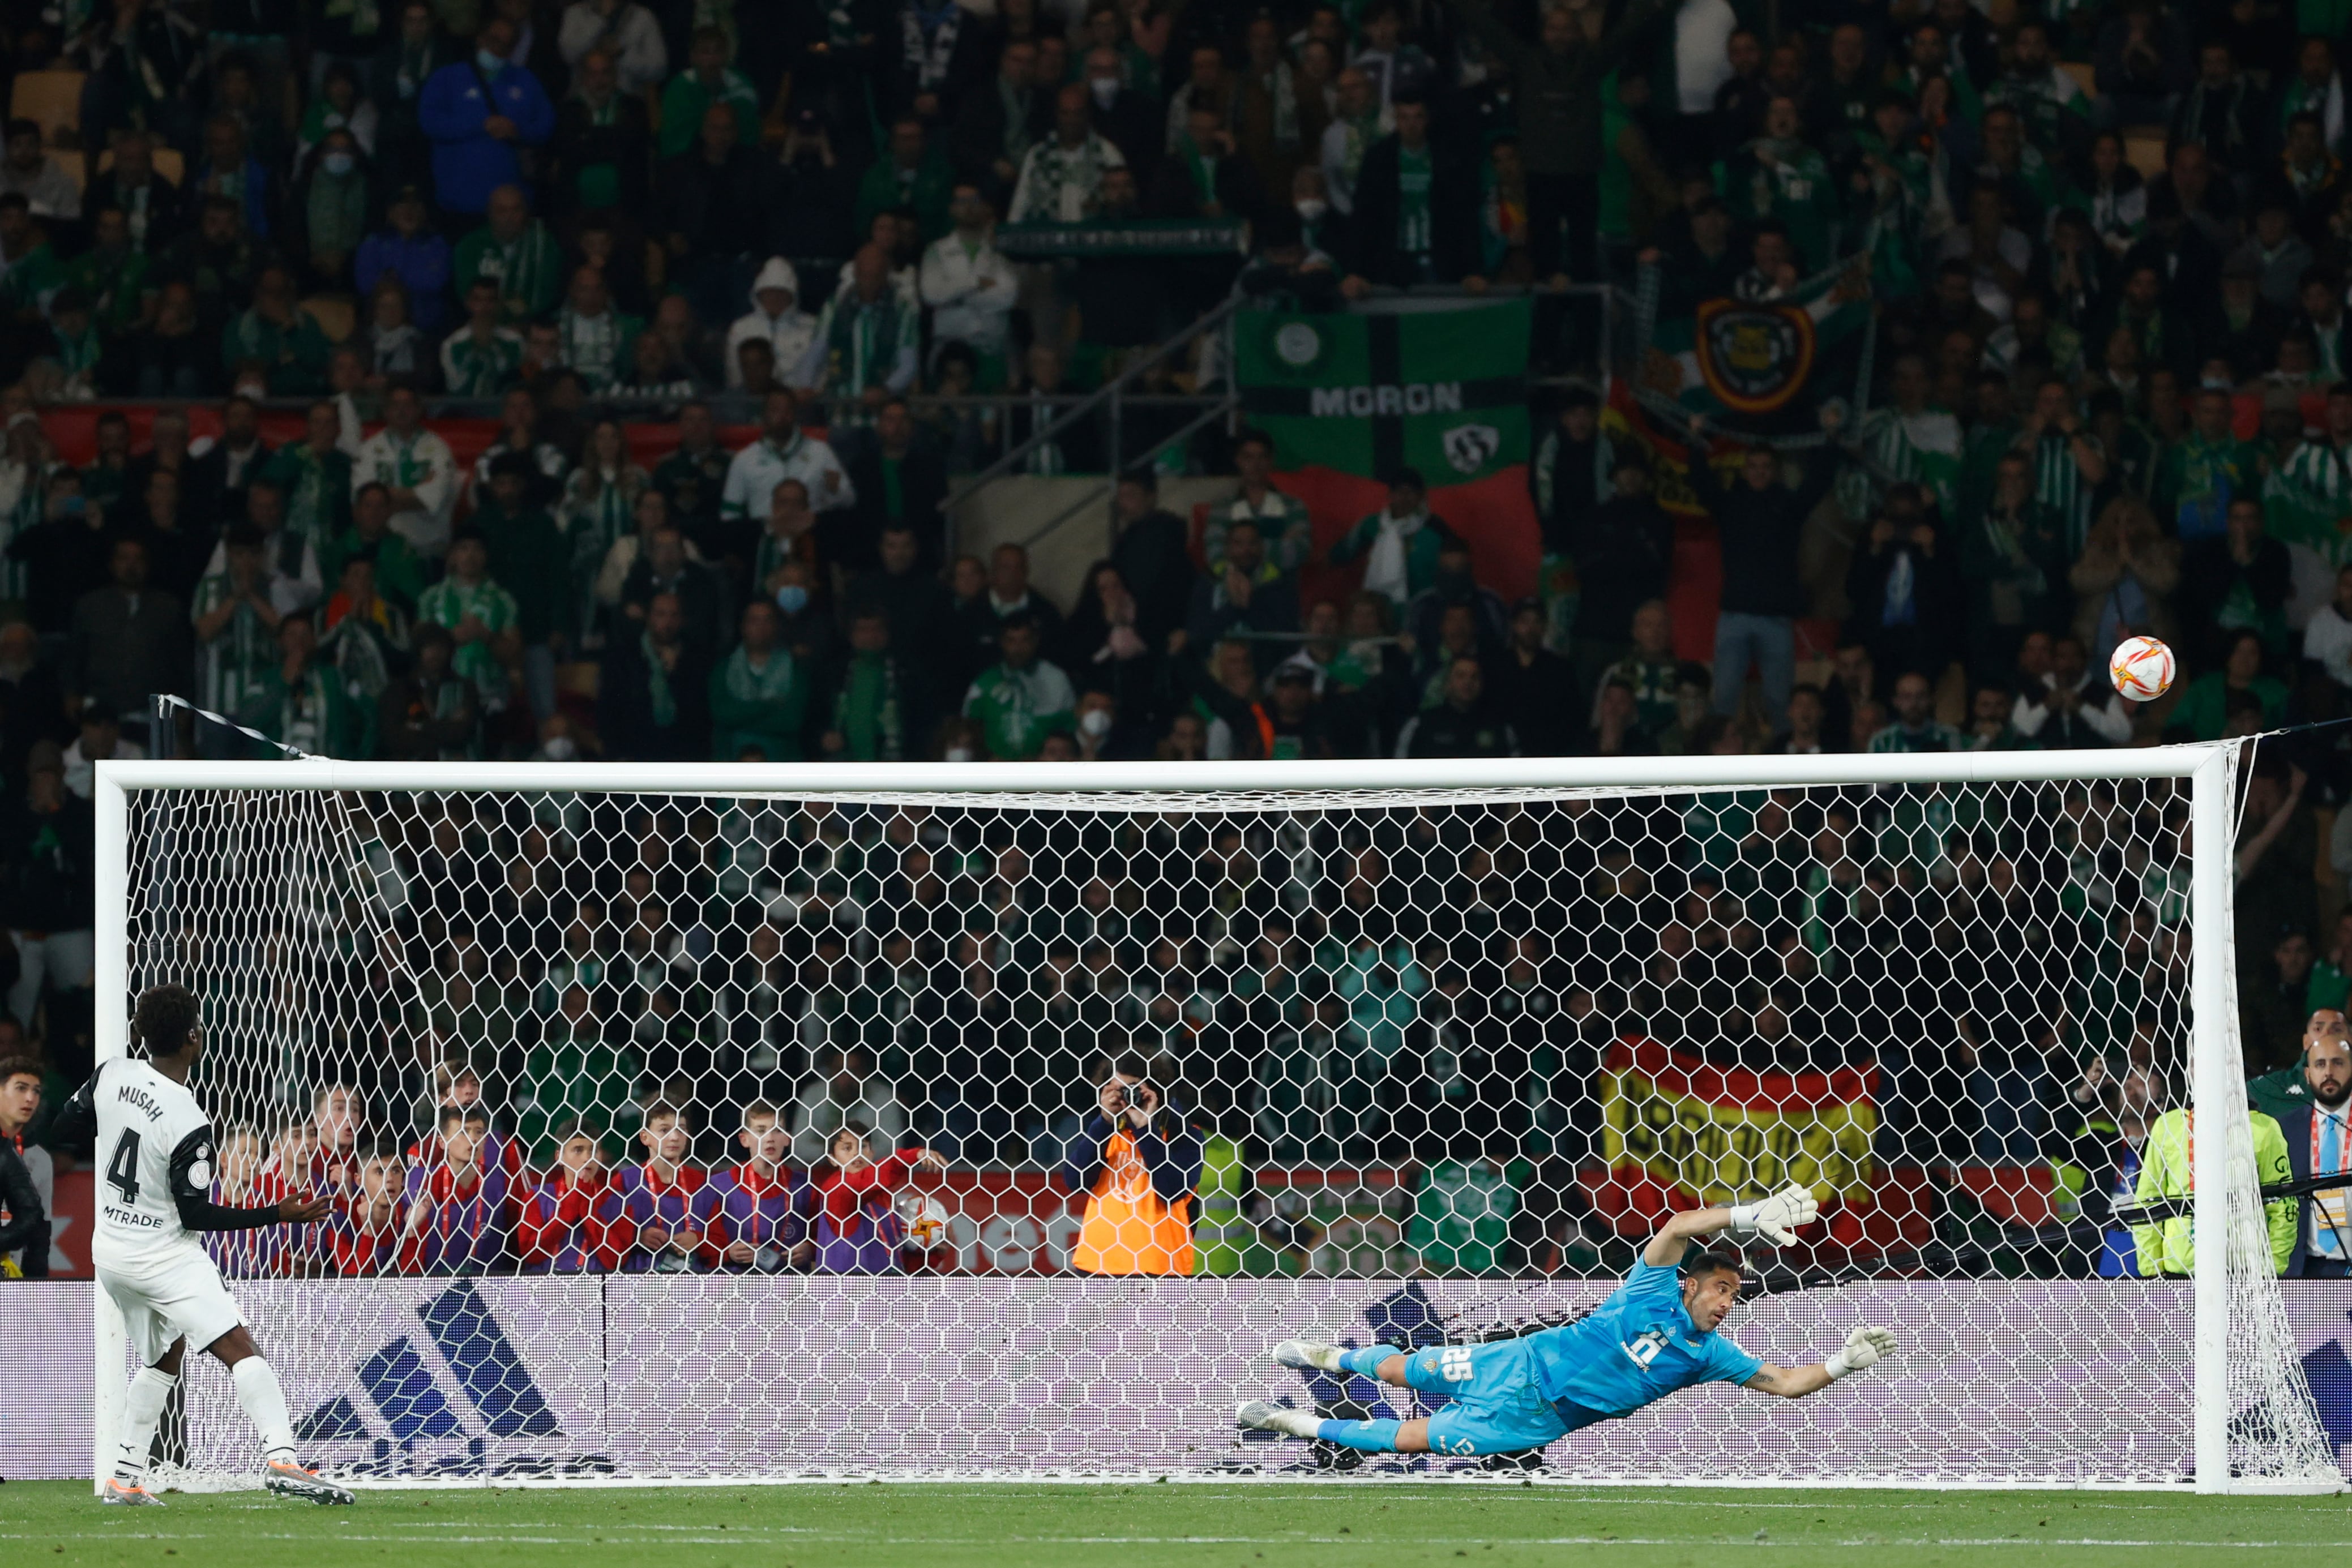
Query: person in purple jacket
x,y
755,1214
479,112
459,1215
657,1195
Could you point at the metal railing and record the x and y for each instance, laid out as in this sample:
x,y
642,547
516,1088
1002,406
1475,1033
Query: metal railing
x,y
1111,395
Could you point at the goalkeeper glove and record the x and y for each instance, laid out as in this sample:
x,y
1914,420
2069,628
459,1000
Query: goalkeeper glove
x,y
1863,1349
1777,1218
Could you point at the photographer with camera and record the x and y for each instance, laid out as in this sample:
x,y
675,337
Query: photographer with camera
x,y
1137,1161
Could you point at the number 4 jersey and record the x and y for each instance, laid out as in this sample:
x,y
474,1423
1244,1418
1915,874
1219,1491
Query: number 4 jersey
x,y
154,1146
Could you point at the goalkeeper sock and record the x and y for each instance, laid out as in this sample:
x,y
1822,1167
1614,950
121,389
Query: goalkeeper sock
x,y
1371,1437
140,1413
1366,1361
265,1406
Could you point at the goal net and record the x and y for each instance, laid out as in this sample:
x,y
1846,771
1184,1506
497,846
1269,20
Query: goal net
x,y
575,1048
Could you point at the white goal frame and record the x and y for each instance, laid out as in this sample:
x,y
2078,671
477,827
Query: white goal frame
x,y
2210,770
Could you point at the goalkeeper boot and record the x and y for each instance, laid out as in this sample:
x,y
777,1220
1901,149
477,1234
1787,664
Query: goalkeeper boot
x,y
1257,1416
1305,1353
128,1494
288,1478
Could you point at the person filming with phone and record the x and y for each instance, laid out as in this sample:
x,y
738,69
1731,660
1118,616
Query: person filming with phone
x,y
1137,1161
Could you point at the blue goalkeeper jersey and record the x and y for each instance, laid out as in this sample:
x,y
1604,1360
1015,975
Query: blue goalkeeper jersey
x,y
1635,1349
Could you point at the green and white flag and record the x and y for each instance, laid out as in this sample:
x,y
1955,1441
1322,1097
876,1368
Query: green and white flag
x,y
1352,399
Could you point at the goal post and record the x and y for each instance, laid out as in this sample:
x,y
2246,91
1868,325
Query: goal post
x,y
1867,972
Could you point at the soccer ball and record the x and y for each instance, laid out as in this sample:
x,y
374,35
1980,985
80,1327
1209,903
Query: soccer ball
x,y
2141,668
926,1219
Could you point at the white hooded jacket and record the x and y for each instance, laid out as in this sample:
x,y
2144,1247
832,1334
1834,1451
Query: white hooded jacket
x,y
789,334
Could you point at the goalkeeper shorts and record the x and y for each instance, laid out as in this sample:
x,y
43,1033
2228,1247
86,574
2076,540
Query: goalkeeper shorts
x,y
1497,1406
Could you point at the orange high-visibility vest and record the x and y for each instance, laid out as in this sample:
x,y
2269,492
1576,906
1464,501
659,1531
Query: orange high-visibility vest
x,y
1128,1229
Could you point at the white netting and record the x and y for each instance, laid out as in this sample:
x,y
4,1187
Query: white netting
x,y
1427,1064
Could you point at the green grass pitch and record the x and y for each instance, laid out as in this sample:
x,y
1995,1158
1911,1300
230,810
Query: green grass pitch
x,y
941,1525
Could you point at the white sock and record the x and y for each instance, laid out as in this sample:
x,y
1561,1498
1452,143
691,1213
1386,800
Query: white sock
x,y
265,1406
140,1413
1298,1423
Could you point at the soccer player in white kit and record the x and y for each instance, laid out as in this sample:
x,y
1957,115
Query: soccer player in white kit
x,y
155,1151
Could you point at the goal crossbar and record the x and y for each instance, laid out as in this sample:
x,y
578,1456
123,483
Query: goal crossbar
x,y
1614,774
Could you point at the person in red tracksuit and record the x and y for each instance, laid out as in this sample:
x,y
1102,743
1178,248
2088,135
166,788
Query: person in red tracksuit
x,y
366,1235
574,1222
658,1197
858,1230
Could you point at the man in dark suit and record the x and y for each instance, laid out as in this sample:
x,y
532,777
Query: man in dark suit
x,y
900,482
1416,218
2319,1142
1202,177
999,122
218,479
653,702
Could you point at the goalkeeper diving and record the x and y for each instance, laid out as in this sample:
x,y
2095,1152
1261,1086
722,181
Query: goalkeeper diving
x,y
1655,1336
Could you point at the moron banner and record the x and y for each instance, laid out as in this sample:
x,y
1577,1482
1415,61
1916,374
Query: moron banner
x,y
1679,1132
1352,398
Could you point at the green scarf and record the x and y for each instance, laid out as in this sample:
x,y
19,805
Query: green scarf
x,y
866,712
747,684
1203,168
1016,123
664,701
338,213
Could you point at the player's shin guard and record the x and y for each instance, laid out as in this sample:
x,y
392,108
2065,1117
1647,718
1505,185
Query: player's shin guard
x,y
141,1412
265,1406
1366,1361
1371,1437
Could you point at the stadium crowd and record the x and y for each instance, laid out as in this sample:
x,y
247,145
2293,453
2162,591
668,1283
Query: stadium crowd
x,y
2115,401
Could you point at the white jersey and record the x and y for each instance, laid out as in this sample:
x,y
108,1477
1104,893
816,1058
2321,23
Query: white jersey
x,y
154,1146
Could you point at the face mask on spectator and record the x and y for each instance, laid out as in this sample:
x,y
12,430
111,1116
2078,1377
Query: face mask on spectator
x,y
792,599
1105,89
491,64
1311,210
959,754
560,749
337,163
1095,723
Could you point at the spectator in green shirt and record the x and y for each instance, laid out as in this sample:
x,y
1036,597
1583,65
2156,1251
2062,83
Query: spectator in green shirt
x,y
29,272
113,275
1021,699
314,474
516,250
912,173
2211,701
480,616
759,693
708,80
280,337
299,700
398,575
1462,1216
